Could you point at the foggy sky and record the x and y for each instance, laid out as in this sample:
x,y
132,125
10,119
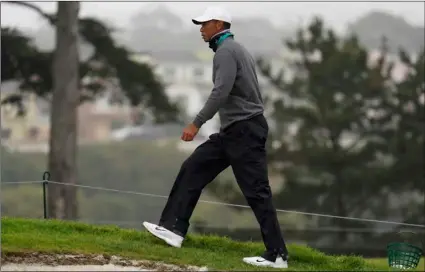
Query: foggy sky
x,y
283,13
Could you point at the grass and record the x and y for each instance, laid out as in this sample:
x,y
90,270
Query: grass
x,y
55,236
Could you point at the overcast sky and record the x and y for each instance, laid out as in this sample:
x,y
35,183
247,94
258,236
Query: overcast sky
x,y
336,13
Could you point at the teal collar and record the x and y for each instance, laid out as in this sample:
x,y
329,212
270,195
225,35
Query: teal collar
x,y
217,40
223,37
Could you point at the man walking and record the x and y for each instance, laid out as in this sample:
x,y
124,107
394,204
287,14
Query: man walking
x,y
240,143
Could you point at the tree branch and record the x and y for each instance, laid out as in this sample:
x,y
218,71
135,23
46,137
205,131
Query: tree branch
x,y
49,17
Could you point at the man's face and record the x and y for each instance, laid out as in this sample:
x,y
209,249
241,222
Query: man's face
x,y
210,28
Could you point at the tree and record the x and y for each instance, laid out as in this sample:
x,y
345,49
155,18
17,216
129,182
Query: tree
x,y
70,81
406,139
109,64
22,61
65,100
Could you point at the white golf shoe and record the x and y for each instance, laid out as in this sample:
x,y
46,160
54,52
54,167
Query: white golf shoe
x,y
260,261
164,234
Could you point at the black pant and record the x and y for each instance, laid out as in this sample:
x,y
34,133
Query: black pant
x,y
242,146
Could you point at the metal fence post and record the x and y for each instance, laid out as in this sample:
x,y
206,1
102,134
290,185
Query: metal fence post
x,y
46,178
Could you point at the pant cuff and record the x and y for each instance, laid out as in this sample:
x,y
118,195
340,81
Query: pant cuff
x,y
173,227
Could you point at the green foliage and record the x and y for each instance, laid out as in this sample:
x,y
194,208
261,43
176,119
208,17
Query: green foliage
x,y
109,65
405,143
406,103
22,61
331,96
338,97
137,80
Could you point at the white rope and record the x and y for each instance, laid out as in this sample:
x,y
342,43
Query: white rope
x,y
224,204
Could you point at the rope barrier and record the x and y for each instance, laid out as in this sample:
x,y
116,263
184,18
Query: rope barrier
x,y
220,203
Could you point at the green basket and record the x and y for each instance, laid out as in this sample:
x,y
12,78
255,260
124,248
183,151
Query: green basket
x,y
403,255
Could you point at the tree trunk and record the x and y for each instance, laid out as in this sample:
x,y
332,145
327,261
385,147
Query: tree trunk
x,y
338,165
65,100
341,211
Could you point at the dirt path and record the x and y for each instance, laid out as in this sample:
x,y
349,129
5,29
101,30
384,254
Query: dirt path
x,y
80,262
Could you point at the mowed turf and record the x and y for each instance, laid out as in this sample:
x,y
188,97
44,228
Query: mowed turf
x,y
217,253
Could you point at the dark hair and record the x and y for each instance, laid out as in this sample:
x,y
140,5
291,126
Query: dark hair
x,y
226,25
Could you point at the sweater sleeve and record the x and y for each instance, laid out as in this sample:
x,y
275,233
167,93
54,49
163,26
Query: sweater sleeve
x,y
225,66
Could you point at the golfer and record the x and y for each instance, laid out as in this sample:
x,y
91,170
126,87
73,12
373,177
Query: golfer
x,y
240,143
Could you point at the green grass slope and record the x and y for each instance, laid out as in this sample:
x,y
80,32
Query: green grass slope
x,y
54,236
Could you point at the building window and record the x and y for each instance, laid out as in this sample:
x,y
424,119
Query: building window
x,y
33,133
169,71
8,110
198,72
6,133
45,111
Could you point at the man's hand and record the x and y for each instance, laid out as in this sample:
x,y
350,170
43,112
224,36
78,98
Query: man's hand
x,y
189,132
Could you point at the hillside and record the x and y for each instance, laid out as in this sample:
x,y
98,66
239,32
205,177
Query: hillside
x,y
24,237
158,36
373,26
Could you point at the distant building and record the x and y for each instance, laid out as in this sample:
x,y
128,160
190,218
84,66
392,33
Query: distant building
x,y
33,126
31,131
